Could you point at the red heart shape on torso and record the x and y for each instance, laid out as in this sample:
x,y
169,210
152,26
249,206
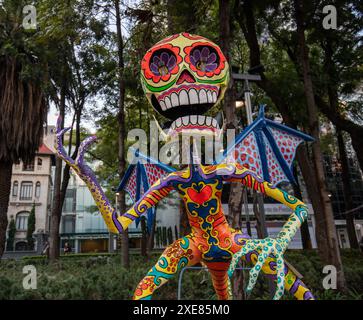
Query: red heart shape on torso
x,y
201,196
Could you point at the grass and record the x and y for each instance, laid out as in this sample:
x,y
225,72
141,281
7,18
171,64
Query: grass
x,y
102,277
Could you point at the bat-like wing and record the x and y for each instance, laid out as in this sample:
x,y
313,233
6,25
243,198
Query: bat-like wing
x,y
268,148
140,176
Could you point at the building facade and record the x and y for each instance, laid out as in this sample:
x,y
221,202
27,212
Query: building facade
x,y
31,185
333,173
82,225
83,228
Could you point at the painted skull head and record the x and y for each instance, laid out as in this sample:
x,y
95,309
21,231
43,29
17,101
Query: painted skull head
x,y
184,76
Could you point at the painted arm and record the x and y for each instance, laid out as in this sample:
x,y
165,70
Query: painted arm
x,y
276,247
159,190
115,222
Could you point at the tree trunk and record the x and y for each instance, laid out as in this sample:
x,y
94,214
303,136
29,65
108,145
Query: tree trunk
x,y
357,143
6,168
151,240
331,243
235,200
143,237
272,90
55,217
235,203
184,226
305,234
309,177
347,191
229,107
247,23
170,15
121,135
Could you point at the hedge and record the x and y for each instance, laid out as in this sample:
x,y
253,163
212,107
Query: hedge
x,y
101,276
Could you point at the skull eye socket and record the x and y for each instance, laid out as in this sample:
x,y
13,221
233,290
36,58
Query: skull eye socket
x,y
162,62
204,58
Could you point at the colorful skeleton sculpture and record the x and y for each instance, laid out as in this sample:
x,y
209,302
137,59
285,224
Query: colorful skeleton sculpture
x,y
183,77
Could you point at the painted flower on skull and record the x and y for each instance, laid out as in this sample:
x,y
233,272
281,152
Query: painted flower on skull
x,y
203,59
161,63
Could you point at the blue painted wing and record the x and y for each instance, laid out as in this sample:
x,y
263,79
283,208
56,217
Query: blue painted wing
x,y
140,176
267,148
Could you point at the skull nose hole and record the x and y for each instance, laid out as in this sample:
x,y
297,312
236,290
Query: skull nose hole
x,y
185,76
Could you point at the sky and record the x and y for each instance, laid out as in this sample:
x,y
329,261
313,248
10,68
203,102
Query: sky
x,y
53,115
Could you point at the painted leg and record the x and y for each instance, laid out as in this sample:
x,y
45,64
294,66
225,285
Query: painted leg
x,y
181,253
291,284
221,283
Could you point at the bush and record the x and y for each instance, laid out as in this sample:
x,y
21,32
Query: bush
x,y
101,276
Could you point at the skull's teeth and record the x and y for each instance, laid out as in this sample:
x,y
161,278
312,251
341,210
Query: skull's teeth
x,y
193,96
196,120
190,97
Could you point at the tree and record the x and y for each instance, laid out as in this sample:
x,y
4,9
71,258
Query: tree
x,y
11,235
347,191
335,59
333,255
79,70
31,228
279,93
121,128
342,53
279,84
22,100
229,107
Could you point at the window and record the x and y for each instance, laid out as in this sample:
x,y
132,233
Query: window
x,y
28,166
22,221
70,201
69,224
40,162
26,190
15,188
37,190
21,246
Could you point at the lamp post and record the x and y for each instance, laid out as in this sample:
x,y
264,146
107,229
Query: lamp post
x,y
260,212
246,78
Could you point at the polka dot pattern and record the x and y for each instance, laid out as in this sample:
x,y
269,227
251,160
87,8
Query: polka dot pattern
x,y
153,173
287,144
246,154
274,168
130,186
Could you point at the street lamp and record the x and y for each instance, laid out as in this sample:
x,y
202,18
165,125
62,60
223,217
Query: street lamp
x,y
240,104
252,75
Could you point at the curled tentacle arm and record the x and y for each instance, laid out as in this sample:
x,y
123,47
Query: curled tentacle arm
x,y
115,222
108,212
268,246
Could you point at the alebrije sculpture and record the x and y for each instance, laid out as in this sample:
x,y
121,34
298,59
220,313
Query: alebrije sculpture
x,y
183,77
